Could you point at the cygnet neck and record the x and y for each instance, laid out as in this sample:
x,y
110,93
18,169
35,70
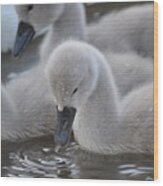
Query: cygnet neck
x,y
70,25
96,122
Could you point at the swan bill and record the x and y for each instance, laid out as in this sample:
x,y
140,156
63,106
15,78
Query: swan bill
x,y
65,120
24,35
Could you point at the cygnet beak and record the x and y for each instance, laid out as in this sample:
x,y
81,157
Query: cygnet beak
x,y
24,36
65,120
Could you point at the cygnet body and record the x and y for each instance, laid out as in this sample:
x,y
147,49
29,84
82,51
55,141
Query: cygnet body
x,y
82,79
36,109
130,29
130,70
137,115
9,114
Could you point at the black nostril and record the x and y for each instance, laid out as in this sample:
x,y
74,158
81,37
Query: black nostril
x,y
30,7
75,90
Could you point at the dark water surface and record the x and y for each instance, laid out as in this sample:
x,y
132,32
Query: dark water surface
x,y
38,159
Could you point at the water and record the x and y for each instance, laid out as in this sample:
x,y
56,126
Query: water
x,y
38,159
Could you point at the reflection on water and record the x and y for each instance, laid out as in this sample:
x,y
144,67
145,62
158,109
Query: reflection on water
x,y
37,159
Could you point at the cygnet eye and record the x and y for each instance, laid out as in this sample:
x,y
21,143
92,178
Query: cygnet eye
x,y
75,90
30,7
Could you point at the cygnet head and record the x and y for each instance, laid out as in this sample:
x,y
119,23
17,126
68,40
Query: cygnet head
x,y
39,15
72,74
32,19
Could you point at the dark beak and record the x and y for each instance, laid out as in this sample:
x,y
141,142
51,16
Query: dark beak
x,y
65,120
24,35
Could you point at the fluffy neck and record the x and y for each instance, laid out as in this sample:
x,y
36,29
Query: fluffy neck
x,y
97,121
70,25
